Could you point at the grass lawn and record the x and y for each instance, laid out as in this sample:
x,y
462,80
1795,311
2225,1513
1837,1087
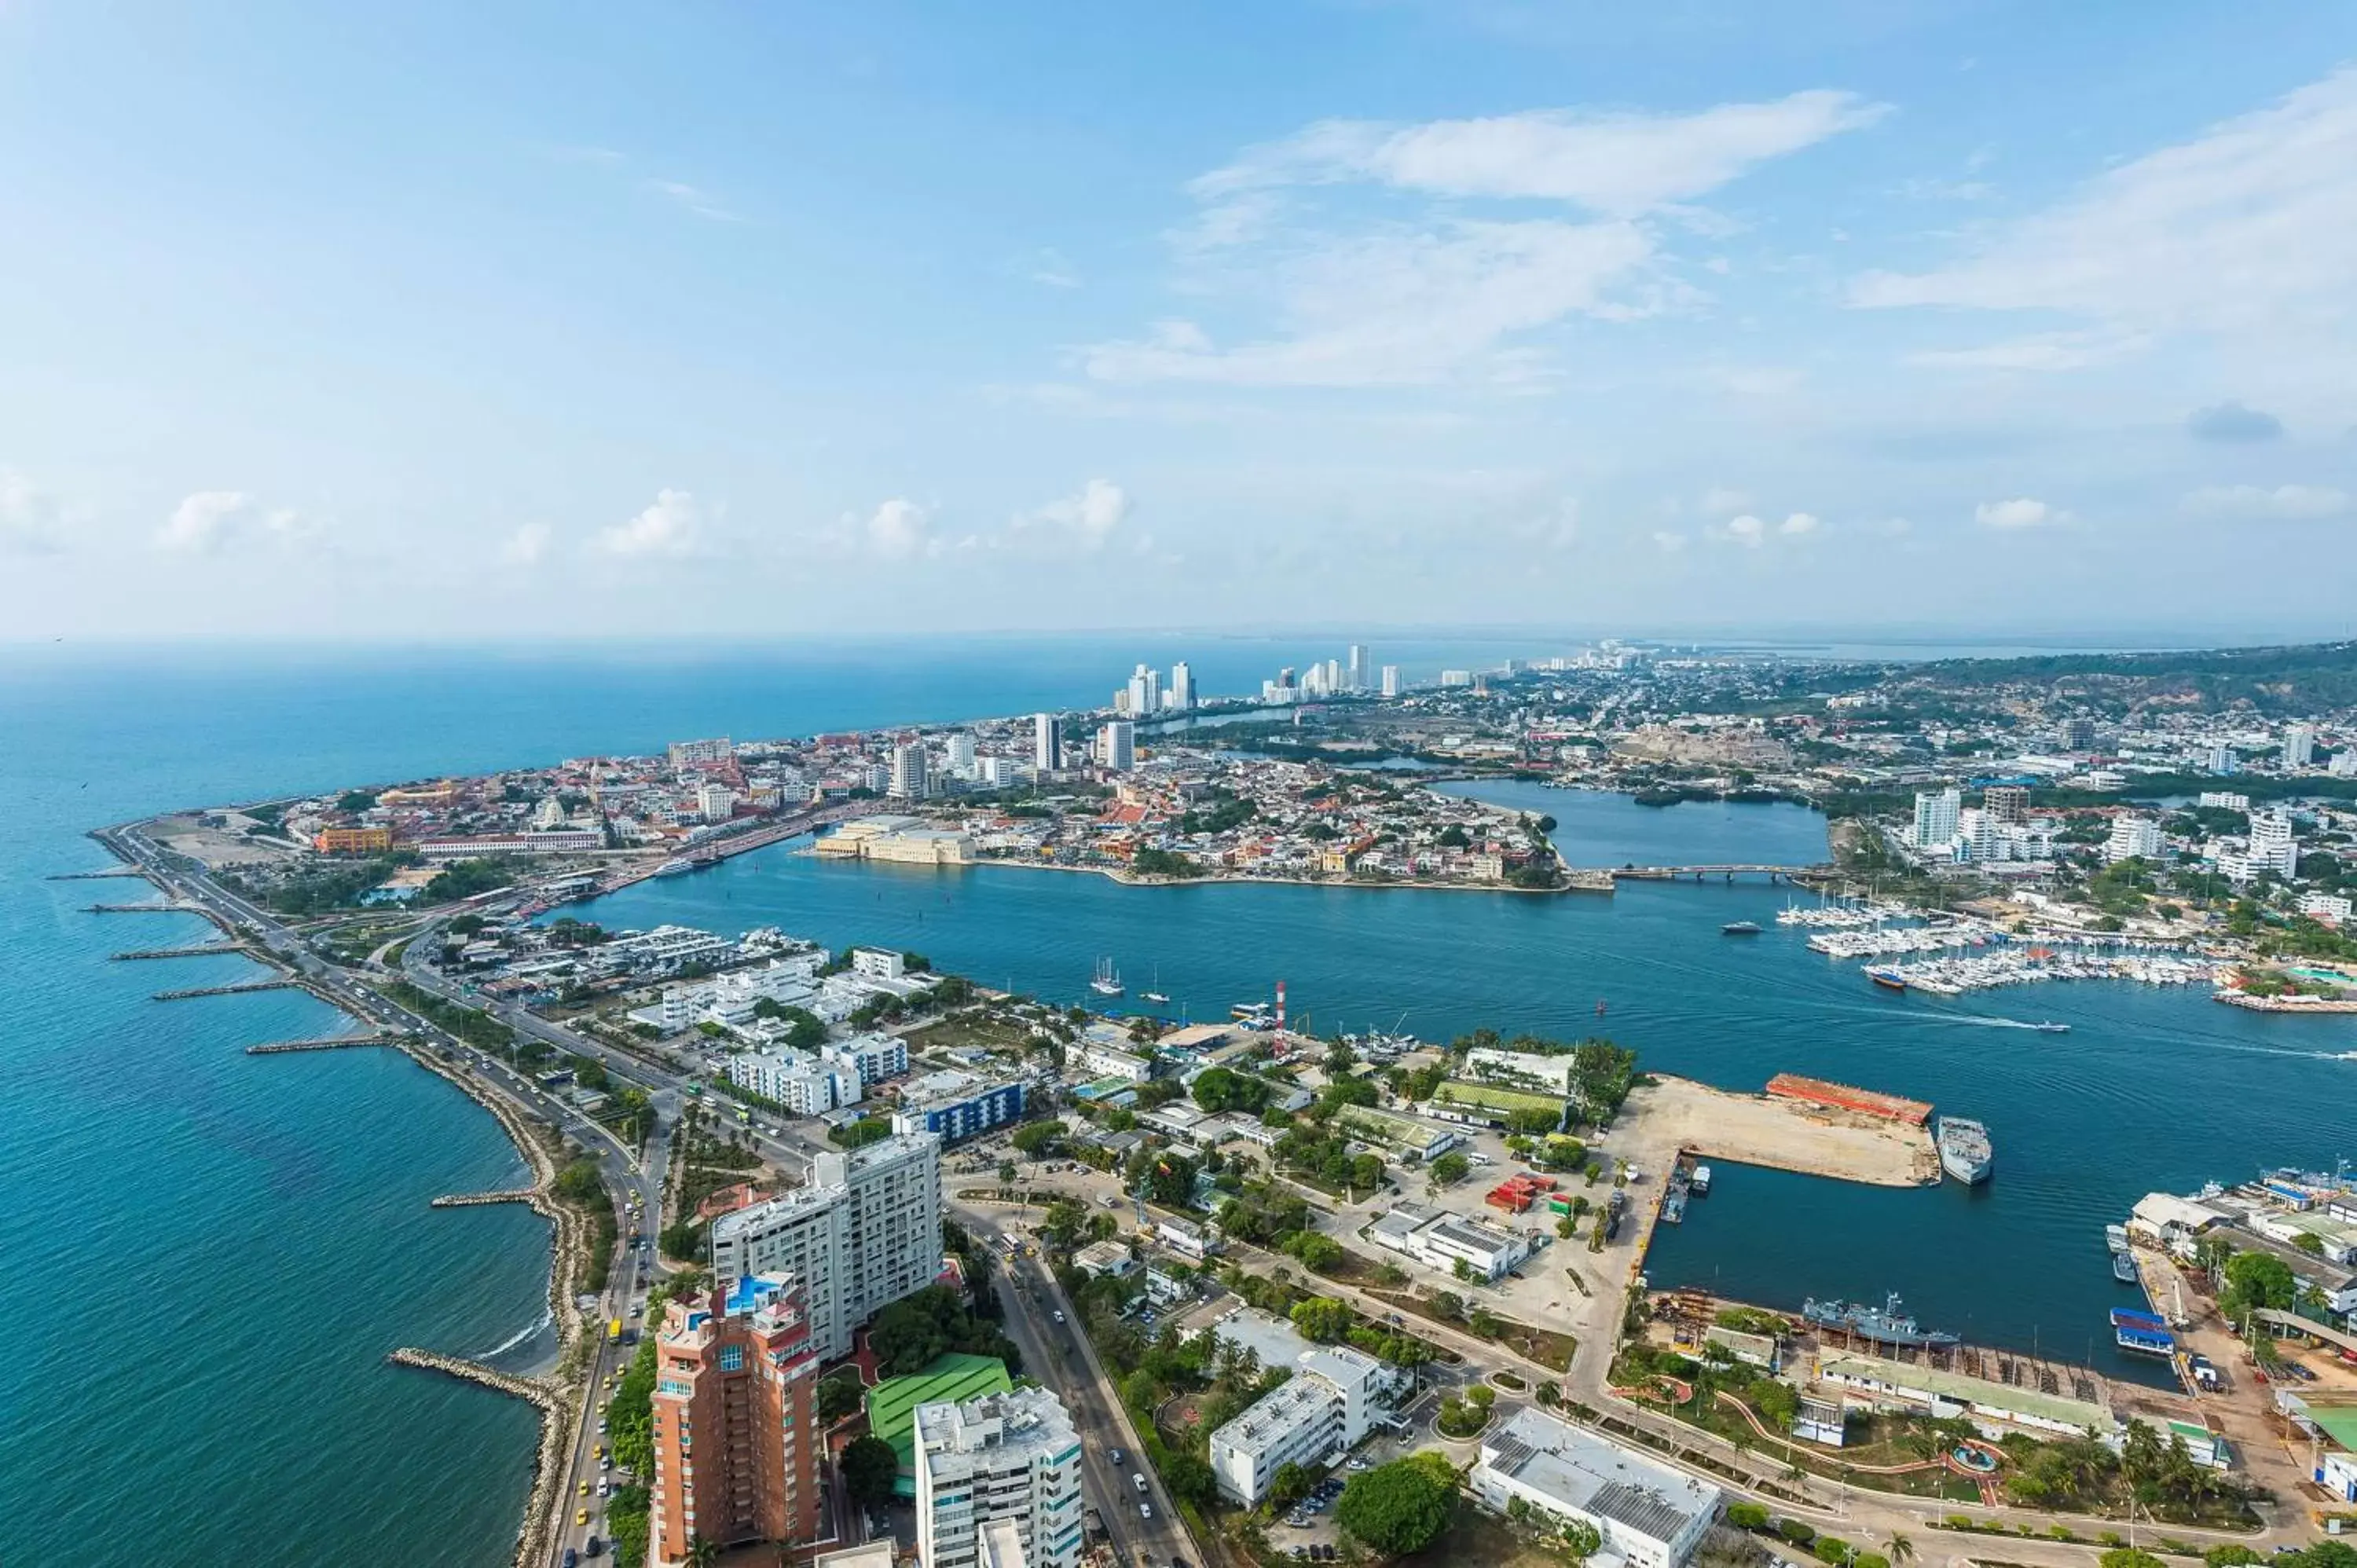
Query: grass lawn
x,y
1491,1097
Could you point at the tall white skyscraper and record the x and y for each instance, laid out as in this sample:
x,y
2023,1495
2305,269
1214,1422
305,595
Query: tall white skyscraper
x,y
962,755
1391,681
2298,746
2273,848
863,1233
1936,814
1117,746
1047,745
1333,675
1000,1462
1182,686
1358,673
1144,691
908,781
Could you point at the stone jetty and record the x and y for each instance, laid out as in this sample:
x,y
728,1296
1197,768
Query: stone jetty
x,y
535,1542
325,1043
477,1200
195,949
238,989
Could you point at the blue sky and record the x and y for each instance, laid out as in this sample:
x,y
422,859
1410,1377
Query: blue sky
x,y
538,319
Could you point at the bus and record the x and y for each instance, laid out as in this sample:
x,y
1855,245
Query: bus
x,y
613,1331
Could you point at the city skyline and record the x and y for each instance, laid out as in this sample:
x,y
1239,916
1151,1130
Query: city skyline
x,y
745,326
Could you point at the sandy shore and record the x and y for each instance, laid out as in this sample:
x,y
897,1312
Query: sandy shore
x,y
1677,1113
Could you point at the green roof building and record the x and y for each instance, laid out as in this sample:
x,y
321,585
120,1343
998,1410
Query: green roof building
x,y
952,1379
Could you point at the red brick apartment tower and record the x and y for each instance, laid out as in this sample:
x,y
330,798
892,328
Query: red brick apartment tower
x,y
736,1446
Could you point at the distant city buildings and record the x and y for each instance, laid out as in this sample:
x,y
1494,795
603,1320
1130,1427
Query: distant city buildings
x,y
908,781
1117,746
1391,681
2298,746
2132,837
1046,743
1182,687
1937,813
698,753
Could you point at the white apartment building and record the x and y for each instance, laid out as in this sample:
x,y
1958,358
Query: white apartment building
x,y
2330,908
874,1056
804,1084
2137,836
1936,815
1010,1458
2223,800
715,802
2344,762
1182,687
1441,1240
1648,1514
962,755
998,772
2273,847
2298,746
1334,1396
1047,745
1117,746
1391,681
1111,1061
863,1233
907,781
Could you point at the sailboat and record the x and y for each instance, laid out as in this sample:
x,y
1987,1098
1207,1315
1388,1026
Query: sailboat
x,y
1107,982
1156,995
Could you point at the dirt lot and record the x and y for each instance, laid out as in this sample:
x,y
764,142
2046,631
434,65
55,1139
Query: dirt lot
x,y
223,846
1749,1128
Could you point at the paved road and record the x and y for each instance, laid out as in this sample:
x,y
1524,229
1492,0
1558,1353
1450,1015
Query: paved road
x,y
1055,1353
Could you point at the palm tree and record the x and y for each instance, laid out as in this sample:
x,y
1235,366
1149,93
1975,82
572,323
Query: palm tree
x,y
702,1552
1903,1551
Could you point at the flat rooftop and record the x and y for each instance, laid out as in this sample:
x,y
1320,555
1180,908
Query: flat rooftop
x,y
1966,1389
1599,1477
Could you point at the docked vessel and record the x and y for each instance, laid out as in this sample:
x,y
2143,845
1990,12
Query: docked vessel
x,y
2115,1237
1888,978
1699,1183
1739,929
1107,982
1886,1326
674,867
2123,1268
2142,1333
1966,1152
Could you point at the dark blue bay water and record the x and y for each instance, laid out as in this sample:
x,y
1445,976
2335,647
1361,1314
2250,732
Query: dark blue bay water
x,y
211,1252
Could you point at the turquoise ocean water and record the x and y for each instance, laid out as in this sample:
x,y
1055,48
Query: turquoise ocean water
x,y
213,1253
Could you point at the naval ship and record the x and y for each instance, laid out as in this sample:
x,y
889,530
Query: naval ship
x,y
1965,1150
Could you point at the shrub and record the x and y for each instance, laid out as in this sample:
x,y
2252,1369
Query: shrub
x,y
1800,1533
1747,1516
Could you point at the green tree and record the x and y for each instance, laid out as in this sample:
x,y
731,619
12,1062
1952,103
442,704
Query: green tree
x,y
1401,1507
1449,1168
869,1468
1323,1318
2256,1279
2129,1557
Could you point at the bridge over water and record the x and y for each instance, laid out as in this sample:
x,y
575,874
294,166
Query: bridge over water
x,y
1725,872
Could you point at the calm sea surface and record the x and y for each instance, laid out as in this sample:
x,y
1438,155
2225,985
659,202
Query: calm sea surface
x,y
213,1253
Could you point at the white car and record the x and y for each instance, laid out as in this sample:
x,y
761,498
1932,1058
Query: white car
x,y
1145,1511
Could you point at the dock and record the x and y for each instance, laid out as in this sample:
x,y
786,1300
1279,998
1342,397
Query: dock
x,y
324,1043
482,1200
195,949
151,907
239,989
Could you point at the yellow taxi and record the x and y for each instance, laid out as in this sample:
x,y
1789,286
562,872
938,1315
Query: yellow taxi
x,y
585,1489
581,1515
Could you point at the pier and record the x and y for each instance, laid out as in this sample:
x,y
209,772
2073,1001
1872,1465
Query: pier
x,y
197,949
239,989
543,1516
153,907
483,1199
108,873
1725,873
324,1043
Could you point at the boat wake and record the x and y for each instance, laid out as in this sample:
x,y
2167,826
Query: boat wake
x,y
504,1346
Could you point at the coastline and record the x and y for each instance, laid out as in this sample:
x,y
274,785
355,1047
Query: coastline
x,y
1601,880
569,1250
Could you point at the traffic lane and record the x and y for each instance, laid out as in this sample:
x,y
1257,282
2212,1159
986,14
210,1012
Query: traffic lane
x,y
1103,1484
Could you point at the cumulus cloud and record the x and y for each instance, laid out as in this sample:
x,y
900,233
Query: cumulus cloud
x,y
1747,530
2230,421
1088,517
2289,503
31,522
2020,512
671,527
900,530
209,521
1800,522
1669,540
1441,296
2251,225
1719,502
528,545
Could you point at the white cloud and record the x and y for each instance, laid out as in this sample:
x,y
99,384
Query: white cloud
x,y
1409,308
1669,540
1444,295
2290,503
2037,351
1089,516
30,520
528,545
673,526
900,530
1798,523
693,198
2253,223
209,521
1717,501
2020,513
1620,164
1747,530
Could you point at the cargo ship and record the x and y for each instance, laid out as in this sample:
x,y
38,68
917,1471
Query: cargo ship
x,y
1887,1325
1966,1152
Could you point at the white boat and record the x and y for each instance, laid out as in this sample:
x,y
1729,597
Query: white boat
x,y
1107,982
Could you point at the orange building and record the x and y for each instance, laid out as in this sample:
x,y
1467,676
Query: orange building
x,y
735,1443
352,840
